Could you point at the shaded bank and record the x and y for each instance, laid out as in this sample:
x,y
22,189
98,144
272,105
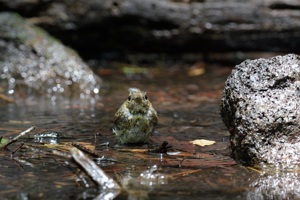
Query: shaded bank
x,y
167,26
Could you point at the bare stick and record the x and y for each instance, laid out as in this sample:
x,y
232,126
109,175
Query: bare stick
x,y
62,154
134,150
18,136
23,161
17,149
104,144
95,172
80,177
185,173
85,150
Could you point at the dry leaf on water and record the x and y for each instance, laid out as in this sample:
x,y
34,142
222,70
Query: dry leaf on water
x,y
197,69
202,143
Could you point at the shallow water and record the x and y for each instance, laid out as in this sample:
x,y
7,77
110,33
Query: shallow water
x,y
188,109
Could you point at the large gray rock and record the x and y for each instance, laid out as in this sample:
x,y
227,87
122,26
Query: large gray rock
x,y
32,62
261,109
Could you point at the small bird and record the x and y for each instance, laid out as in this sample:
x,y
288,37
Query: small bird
x,y
136,118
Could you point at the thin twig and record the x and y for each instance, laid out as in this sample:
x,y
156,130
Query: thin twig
x,y
18,136
106,159
181,162
134,150
62,154
23,161
68,155
17,163
182,174
94,171
256,170
19,147
84,181
86,150
104,144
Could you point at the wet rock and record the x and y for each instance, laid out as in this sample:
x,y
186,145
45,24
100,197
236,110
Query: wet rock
x,y
32,62
260,107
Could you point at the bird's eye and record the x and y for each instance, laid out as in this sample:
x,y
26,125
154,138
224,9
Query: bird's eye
x,y
146,97
129,98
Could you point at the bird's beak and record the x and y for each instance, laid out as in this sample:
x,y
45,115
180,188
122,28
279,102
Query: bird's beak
x,y
138,99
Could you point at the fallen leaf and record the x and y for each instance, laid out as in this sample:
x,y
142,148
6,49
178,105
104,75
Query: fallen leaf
x,y
3,141
197,69
203,143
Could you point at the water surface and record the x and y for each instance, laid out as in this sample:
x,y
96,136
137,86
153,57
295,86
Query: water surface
x,y
188,108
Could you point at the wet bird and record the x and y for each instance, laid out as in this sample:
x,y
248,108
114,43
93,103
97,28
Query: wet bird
x,y
136,118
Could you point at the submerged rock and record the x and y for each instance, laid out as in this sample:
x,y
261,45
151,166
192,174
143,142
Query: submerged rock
x,y
32,62
261,109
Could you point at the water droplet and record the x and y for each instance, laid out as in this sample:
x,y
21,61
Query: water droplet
x,y
96,90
